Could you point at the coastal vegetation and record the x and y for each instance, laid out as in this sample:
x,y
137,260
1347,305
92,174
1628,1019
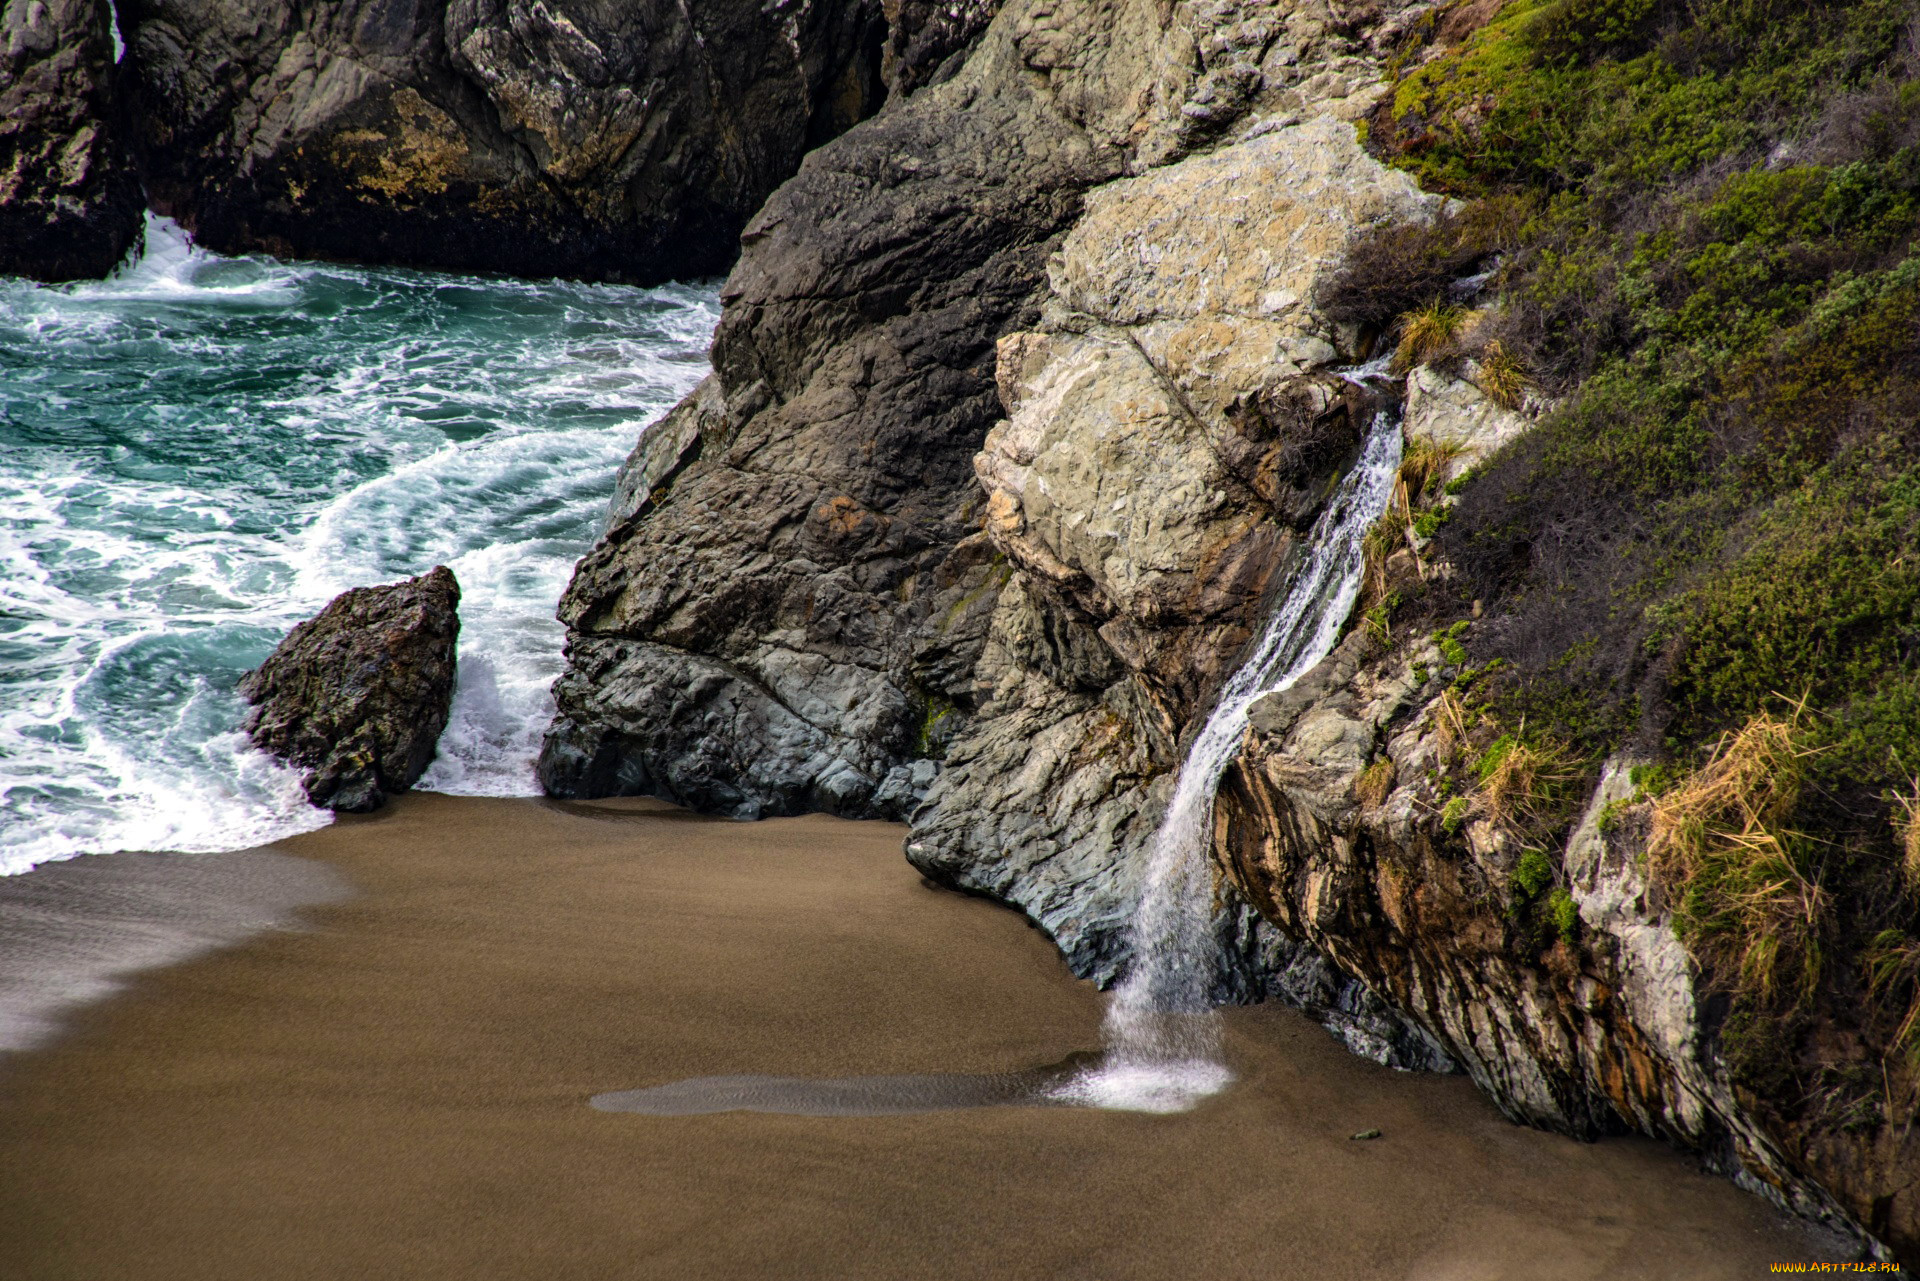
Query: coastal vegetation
x,y
1693,230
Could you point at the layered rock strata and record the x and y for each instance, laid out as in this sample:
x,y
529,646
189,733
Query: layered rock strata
x,y
358,695
625,142
69,201
1605,1030
1335,823
790,616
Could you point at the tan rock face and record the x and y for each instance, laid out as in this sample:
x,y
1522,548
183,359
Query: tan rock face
x,y
1141,465
1171,425
1212,262
1453,412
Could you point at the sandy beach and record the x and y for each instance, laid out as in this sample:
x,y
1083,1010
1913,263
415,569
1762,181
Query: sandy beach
x,y
398,1088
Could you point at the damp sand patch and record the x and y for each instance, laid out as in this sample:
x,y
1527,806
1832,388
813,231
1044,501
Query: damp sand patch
x,y
76,932
1079,1081
843,1096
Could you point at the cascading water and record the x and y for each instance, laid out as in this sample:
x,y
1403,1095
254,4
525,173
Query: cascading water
x,y
1162,1052
1162,1040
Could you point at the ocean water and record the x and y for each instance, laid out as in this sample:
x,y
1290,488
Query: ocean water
x,y
201,451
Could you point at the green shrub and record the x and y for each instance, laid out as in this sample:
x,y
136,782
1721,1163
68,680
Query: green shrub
x,y
1565,915
1532,875
1448,639
1716,277
1428,523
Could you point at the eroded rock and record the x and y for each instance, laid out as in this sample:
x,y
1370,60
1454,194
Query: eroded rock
x,y
1605,1033
358,694
806,540
538,137
69,201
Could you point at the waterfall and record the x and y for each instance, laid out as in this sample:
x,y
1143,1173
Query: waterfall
x,y
1162,1050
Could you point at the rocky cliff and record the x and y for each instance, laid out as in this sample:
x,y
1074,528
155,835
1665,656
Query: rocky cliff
x,y
1027,388
69,201
626,142
789,616
808,537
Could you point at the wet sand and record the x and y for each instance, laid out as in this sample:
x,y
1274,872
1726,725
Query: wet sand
x,y
72,932
399,1089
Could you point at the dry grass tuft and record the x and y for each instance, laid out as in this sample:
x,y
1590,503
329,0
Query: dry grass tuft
x,y
1522,781
1450,723
1745,896
1384,537
1893,967
1906,831
1502,376
1424,465
1429,333
1374,784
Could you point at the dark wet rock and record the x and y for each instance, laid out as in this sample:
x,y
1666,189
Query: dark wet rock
x,y
794,592
69,202
927,40
358,694
537,137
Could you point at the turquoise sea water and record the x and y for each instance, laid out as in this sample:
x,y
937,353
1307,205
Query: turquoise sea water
x,y
202,451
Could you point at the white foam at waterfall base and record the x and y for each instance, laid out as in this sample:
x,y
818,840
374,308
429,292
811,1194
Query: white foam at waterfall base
x,y
1162,1040
200,451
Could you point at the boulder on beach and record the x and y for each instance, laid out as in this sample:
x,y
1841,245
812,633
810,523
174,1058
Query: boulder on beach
x,y
358,694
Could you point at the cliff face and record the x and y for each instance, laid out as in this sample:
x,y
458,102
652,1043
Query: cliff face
x,y
790,615
1561,985
1027,388
627,142
1174,426
69,202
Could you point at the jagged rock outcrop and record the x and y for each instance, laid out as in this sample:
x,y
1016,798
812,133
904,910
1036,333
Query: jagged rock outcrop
x,y
69,201
789,618
1604,1028
358,694
624,142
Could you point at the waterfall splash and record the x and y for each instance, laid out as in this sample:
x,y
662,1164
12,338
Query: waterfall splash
x,y
1162,1052
1162,1038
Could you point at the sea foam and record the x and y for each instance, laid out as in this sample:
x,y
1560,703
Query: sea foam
x,y
200,451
